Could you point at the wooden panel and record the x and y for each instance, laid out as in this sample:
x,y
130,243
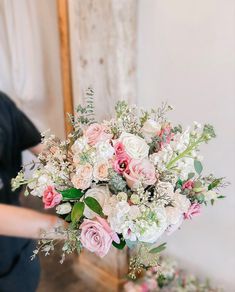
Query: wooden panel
x,y
62,6
103,50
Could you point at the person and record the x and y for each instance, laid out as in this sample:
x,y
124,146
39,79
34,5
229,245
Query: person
x,y
17,272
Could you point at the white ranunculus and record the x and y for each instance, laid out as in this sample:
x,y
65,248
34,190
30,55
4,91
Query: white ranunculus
x,y
150,128
135,146
101,194
151,231
104,150
64,208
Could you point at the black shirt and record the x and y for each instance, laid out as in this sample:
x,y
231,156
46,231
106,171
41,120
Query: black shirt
x,y
17,133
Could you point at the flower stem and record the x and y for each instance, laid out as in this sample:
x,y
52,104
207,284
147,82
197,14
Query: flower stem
x,y
184,153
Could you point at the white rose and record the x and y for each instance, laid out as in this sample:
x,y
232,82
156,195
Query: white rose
x,y
151,231
101,194
64,208
135,146
150,128
104,150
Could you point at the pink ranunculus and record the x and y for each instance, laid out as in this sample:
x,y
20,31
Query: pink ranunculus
x,y
119,149
51,197
121,164
188,185
96,133
194,210
140,171
97,236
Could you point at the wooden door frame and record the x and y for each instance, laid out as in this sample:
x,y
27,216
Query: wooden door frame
x,y
65,60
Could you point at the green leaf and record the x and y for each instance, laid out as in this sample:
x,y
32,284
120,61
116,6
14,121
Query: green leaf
x,y
215,183
179,184
198,166
71,194
68,218
77,211
191,175
158,249
94,205
200,198
120,245
221,197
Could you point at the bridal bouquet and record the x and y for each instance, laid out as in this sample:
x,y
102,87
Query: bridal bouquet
x,y
126,181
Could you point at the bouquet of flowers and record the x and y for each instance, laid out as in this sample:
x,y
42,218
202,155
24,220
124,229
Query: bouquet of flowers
x,y
122,182
169,277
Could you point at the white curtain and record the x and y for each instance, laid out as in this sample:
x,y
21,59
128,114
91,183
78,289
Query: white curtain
x,y
22,41
30,62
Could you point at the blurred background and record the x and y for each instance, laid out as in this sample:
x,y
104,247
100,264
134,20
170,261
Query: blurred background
x,y
146,52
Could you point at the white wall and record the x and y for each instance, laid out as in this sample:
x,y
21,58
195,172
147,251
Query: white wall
x,y
186,55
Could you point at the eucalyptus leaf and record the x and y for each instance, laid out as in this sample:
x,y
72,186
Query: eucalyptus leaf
x,y
198,166
77,211
215,183
191,175
94,205
71,194
159,248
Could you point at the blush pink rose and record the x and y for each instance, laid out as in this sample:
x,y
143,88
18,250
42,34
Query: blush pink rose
x,y
51,197
97,236
194,210
140,171
188,185
96,133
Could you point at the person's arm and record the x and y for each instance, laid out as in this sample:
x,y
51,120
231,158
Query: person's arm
x,y
36,150
22,222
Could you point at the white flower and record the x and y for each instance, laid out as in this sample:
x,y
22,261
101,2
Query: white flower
x,y
181,141
135,146
162,158
165,189
210,195
101,194
150,129
151,231
100,171
64,208
134,212
181,202
104,150
122,196
80,145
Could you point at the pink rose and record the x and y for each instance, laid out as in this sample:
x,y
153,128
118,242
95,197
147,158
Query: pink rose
x,y
96,133
194,210
119,149
121,164
83,177
97,236
140,171
188,185
51,198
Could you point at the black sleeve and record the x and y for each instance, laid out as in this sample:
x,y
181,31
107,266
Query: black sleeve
x,y
29,136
